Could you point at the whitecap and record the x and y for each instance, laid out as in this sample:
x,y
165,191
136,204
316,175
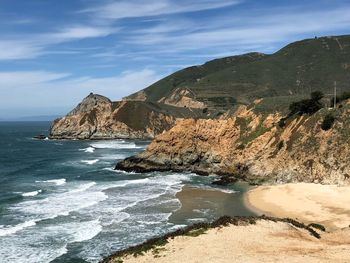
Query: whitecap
x,y
117,171
83,231
88,149
113,156
90,162
54,181
10,230
61,204
83,187
29,194
115,145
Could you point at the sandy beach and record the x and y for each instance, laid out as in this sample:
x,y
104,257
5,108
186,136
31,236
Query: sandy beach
x,y
266,240
328,205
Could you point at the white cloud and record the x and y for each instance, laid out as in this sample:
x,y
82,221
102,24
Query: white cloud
x,y
26,79
15,49
23,91
79,32
251,32
140,8
35,45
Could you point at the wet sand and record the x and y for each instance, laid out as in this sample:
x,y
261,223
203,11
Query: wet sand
x,y
199,204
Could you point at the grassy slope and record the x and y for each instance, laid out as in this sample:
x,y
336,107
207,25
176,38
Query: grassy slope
x,y
295,70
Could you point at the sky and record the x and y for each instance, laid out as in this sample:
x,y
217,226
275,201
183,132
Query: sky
x,y
54,53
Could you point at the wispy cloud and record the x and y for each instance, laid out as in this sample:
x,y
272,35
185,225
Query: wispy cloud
x,y
26,79
21,89
78,32
139,8
254,31
34,45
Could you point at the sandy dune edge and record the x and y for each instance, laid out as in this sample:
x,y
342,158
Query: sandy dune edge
x,y
265,241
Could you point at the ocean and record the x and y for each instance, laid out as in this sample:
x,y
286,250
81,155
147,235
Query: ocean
x,y
62,201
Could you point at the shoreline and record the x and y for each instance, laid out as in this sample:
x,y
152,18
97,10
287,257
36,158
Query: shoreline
x,y
257,238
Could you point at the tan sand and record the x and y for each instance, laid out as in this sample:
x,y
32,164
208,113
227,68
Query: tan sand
x,y
310,203
264,242
269,241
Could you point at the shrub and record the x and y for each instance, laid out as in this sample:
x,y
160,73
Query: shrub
x,y
316,95
307,106
327,122
282,122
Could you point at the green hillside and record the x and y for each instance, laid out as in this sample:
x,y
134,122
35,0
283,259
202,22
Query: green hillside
x,y
295,70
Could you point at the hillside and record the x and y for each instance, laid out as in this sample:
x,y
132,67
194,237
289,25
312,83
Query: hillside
x,y
297,69
216,88
255,147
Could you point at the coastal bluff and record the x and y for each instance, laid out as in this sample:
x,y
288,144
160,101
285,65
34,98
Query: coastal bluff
x,y
255,146
97,117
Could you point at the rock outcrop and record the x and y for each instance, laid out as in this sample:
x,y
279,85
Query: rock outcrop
x,y
97,117
253,147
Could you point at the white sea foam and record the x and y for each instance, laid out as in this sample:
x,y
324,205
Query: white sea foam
x,y
10,230
83,187
211,188
54,181
88,149
120,144
122,207
113,156
90,162
44,250
111,169
29,194
86,231
61,204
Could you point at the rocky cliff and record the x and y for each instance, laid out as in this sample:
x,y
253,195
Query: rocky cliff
x,y
252,146
97,117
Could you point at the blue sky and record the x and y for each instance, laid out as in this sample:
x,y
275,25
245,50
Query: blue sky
x,y
53,53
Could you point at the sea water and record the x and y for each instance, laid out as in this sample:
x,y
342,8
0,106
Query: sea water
x,y
62,201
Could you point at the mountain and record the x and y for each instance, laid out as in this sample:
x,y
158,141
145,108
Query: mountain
x,y
297,69
215,88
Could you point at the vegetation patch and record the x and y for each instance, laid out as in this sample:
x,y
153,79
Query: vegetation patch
x,y
260,130
327,122
317,226
307,106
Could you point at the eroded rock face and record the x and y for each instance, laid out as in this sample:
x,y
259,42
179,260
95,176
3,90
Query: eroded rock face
x,y
96,117
252,147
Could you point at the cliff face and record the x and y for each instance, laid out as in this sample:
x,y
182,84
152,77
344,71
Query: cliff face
x,y
99,118
251,146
